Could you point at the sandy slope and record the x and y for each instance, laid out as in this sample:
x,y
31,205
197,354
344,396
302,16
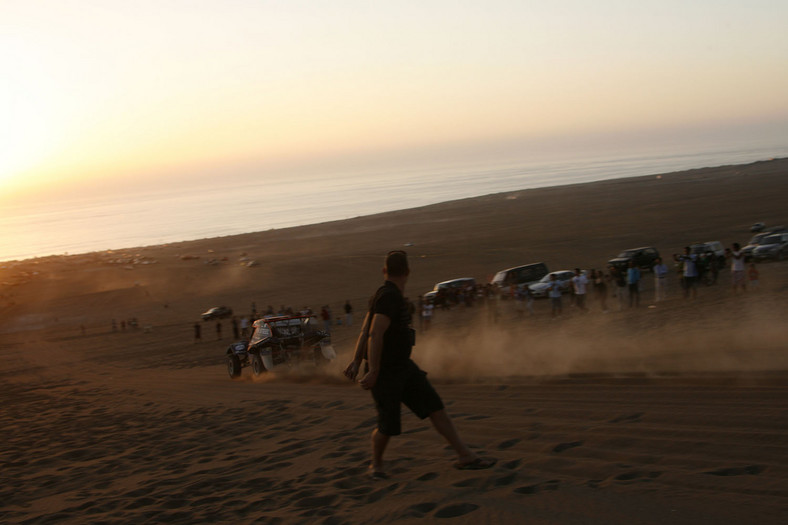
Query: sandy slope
x,y
673,414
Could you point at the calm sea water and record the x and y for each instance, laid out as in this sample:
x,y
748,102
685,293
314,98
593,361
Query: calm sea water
x,y
217,208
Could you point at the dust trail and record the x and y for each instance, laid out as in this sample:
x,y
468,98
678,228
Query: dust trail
x,y
742,339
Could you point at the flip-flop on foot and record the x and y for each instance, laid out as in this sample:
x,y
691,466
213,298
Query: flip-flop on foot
x,y
476,464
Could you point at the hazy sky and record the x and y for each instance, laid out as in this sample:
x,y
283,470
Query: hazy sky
x,y
103,89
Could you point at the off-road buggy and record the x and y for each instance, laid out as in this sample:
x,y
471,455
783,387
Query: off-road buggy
x,y
282,340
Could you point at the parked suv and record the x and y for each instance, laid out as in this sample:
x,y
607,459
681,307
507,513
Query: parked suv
x,y
774,246
519,276
644,258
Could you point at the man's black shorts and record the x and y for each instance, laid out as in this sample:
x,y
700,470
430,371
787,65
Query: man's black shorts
x,y
409,385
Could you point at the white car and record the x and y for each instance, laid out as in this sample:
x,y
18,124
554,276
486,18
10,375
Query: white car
x,y
542,288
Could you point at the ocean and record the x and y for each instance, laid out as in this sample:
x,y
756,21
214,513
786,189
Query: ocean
x,y
233,205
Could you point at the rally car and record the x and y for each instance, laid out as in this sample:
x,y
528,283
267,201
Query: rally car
x,y
277,341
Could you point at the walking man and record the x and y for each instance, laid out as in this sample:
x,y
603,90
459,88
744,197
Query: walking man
x,y
386,340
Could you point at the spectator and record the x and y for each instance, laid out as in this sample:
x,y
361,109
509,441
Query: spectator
x,y
348,313
737,267
620,282
689,273
325,314
555,296
753,275
579,286
600,288
660,270
633,283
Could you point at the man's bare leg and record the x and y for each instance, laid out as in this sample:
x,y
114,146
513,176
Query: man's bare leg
x,y
379,443
443,424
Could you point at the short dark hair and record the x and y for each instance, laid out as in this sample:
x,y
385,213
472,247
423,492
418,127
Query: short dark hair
x,y
397,263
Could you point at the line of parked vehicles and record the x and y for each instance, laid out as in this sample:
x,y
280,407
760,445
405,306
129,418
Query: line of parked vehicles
x,y
766,244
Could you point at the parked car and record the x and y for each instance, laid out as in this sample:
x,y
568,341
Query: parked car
x,y
757,227
519,276
217,312
644,258
774,247
278,341
756,241
542,287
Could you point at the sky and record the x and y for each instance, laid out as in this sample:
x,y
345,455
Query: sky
x,y
96,93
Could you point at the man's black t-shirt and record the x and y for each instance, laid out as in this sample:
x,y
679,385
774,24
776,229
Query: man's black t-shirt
x,y
388,301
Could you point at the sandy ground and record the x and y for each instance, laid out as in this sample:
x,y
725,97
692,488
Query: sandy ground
x,y
675,412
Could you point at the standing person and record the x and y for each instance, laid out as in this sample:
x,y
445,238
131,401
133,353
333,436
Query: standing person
x,y
348,313
660,270
234,325
600,288
325,314
554,292
737,267
197,332
244,327
579,286
753,275
218,330
633,283
690,272
386,340
427,309
621,286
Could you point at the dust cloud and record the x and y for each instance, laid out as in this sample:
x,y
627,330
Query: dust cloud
x,y
678,341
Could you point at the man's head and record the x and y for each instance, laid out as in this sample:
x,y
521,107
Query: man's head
x,y
396,264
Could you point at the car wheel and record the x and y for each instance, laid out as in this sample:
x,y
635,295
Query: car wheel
x,y
233,366
258,368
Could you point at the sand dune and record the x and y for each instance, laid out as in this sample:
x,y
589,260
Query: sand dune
x,y
671,414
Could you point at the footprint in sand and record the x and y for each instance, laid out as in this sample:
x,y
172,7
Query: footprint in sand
x,y
553,484
750,470
637,475
566,446
628,418
503,445
454,511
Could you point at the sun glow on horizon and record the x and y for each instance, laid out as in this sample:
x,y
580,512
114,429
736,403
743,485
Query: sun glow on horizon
x,y
117,90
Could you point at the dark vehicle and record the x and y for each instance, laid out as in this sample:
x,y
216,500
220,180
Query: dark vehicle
x,y
519,276
710,248
443,290
757,239
217,312
282,340
457,284
644,258
773,247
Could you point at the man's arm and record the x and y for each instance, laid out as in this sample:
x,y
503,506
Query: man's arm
x,y
380,324
351,371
